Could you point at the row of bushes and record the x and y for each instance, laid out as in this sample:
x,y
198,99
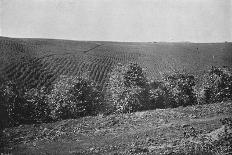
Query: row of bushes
x,y
127,90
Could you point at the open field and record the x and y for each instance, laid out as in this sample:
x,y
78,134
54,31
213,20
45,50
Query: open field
x,y
37,62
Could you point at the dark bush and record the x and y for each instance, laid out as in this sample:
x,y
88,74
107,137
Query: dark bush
x,y
73,97
20,106
216,85
11,103
172,91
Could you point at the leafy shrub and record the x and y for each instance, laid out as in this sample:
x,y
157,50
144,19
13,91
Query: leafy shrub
x,y
73,97
20,106
181,89
158,95
172,91
37,104
125,90
217,85
11,100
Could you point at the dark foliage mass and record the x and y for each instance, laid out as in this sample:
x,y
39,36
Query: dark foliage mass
x,y
173,90
127,90
217,85
19,106
69,97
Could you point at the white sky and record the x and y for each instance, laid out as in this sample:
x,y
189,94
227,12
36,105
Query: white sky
x,y
118,20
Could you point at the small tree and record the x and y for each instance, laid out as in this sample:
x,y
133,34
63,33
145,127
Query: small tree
x,y
73,97
20,106
37,104
181,87
125,90
11,102
217,85
173,90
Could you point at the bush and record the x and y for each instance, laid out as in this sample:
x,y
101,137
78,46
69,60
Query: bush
x,y
73,97
126,88
172,91
20,106
37,104
11,100
217,85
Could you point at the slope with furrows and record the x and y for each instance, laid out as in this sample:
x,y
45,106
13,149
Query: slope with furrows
x,y
37,62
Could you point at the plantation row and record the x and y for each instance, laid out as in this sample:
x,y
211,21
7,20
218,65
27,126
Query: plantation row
x,y
39,72
127,89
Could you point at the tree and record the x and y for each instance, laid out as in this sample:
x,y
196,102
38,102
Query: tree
x,y
73,97
217,85
125,90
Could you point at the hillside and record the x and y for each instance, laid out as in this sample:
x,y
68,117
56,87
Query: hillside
x,y
37,62
159,131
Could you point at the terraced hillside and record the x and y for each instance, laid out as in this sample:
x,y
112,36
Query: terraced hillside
x,y
37,62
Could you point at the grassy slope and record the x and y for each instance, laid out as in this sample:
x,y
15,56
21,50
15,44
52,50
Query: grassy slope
x,y
148,132
36,62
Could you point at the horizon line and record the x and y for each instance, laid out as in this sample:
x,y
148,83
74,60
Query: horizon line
x,y
112,40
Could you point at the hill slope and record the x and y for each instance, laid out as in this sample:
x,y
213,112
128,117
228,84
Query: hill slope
x,y
37,62
150,132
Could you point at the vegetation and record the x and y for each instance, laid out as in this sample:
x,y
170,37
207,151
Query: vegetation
x,y
217,85
34,92
21,106
69,97
39,62
73,97
126,88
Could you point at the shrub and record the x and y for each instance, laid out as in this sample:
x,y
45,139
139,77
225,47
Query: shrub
x,y
158,95
73,97
173,90
37,104
216,85
11,101
125,90
20,106
181,89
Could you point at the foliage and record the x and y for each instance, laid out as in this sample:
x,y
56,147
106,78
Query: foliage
x,y
73,97
11,100
38,109
125,89
22,106
217,85
173,90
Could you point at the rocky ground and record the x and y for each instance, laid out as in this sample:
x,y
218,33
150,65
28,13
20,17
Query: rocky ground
x,y
184,130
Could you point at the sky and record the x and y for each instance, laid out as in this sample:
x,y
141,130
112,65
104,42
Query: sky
x,y
118,20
